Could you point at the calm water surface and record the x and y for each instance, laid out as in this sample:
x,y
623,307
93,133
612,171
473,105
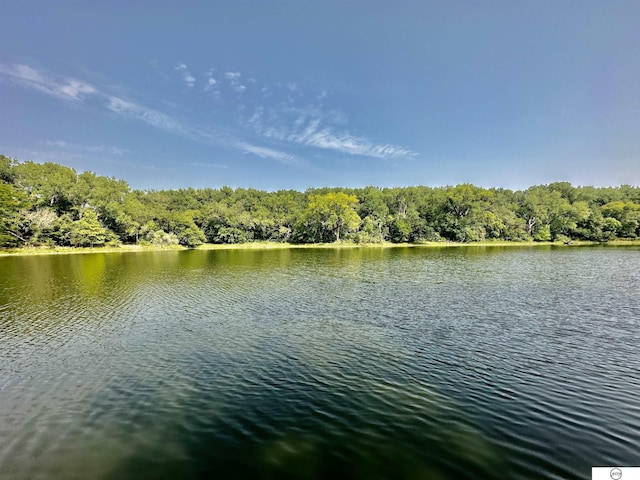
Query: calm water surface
x,y
364,363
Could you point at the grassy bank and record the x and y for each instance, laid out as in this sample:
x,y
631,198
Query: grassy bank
x,y
278,245
79,250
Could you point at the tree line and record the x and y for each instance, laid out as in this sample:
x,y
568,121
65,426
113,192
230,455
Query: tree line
x,y
47,204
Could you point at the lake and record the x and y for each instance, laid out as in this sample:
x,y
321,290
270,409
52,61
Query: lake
x,y
404,363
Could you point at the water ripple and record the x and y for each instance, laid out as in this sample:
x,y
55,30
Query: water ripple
x,y
365,363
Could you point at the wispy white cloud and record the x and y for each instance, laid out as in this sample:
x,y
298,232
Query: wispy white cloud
x,y
64,88
148,115
58,143
212,85
349,144
312,127
164,122
75,90
89,148
264,152
234,81
189,79
78,92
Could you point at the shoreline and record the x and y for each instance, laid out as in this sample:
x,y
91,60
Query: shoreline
x,y
14,252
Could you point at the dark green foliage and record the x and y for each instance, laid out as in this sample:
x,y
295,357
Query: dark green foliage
x,y
231,235
87,231
47,184
50,204
327,217
11,200
7,169
191,237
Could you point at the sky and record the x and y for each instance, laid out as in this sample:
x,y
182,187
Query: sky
x,y
292,94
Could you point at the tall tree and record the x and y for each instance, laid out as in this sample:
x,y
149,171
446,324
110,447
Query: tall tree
x,y
87,231
330,215
10,202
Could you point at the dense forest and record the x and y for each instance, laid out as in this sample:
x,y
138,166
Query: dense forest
x,y
52,205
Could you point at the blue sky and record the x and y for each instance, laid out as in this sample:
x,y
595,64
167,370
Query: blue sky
x,y
299,93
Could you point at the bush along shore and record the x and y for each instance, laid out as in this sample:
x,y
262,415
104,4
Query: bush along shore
x,y
51,207
266,245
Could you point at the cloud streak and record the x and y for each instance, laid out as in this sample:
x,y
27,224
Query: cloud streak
x,y
285,124
308,127
66,89
76,91
349,144
89,148
149,116
264,152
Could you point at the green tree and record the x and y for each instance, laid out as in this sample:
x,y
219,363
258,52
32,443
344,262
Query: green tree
x,y
329,216
182,225
7,169
191,237
11,201
374,212
464,213
87,231
49,203
159,237
400,229
545,211
38,225
627,215
231,235
48,184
